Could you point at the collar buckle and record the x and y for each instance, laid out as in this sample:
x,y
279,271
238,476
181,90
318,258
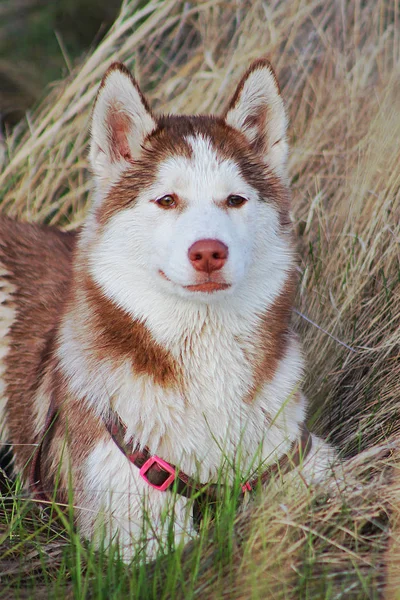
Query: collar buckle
x,y
247,487
161,465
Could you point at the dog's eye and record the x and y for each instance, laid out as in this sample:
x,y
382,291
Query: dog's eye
x,y
167,201
235,201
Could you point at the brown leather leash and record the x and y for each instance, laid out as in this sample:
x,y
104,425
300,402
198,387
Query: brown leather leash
x,y
163,475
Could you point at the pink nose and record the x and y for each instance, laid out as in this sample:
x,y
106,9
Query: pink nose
x,y
208,255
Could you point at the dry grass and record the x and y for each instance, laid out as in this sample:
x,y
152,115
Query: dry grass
x,y
339,66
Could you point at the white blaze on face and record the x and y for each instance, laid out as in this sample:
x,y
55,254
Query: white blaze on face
x,y
202,184
141,241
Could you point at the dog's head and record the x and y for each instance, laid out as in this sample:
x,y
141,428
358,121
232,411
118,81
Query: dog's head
x,y
195,207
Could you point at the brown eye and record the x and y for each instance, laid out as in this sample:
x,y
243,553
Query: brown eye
x,y
166,201
235,201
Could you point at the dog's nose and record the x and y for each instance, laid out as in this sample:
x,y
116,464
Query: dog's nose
x,y
208,255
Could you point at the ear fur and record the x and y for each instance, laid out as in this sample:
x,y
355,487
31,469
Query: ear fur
x,y
121,119
257,110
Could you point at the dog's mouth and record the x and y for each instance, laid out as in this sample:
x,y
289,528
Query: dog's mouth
x,y
209,286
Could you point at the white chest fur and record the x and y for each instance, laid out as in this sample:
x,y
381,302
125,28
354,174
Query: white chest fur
x,y
207,419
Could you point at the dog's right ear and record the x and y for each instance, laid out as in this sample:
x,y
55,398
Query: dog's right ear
x,y
121,119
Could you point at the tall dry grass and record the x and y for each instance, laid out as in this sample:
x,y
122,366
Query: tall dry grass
x,y
339,68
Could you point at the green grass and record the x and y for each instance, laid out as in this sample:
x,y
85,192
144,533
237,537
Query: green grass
x,y
42,554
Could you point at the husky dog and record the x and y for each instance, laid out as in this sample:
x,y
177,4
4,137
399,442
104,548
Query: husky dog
x,y
141,351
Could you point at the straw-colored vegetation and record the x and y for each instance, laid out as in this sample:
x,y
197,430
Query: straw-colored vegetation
x,y
338,63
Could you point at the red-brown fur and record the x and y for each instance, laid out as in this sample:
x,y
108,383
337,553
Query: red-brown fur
x,y
38,261
272,337
119,337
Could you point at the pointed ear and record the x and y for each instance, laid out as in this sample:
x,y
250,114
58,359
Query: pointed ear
x,y
257,110
121,119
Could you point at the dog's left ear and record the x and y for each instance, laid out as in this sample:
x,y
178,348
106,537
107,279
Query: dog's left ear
x,y
257,110
121,120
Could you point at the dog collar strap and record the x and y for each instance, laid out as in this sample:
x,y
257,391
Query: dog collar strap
x,y
157,473
162,475
296,456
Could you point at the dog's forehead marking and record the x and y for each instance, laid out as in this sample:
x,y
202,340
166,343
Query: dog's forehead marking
x,y
205,173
